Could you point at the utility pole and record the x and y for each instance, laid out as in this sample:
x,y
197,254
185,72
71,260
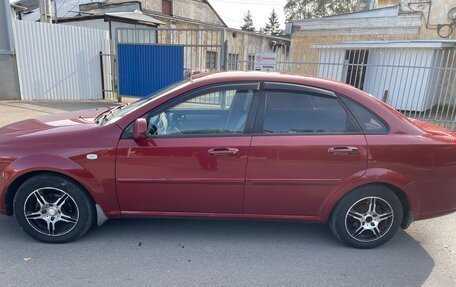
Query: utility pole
x,y
55,11
9,82
45,11
6,30
42,10
49,11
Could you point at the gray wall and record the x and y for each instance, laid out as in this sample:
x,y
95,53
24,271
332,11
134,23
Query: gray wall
x,y
9,84
5,28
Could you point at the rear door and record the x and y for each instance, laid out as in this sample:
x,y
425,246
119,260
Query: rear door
x,y
306,145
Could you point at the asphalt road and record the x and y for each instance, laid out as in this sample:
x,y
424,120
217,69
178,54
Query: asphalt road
x,y
184,252
190,252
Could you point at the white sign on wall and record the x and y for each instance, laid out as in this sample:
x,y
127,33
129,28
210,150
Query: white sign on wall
x,y
265,61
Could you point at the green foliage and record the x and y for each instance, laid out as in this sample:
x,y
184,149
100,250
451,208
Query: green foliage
x,y
272,27
248,22
302,9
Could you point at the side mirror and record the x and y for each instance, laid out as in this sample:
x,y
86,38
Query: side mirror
x,y
140,129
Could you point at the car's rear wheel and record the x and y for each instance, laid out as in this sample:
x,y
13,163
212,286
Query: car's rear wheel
x,y
53,209
367,217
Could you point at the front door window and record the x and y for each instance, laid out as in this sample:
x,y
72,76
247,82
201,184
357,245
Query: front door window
x,y
222,112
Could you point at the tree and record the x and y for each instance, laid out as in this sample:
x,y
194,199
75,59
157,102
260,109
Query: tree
x,y
248,22
302,9
272,27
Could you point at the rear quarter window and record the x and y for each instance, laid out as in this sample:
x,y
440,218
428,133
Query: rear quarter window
x,y
370,123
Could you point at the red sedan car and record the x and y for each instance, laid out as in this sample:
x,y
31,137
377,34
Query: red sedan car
x,y
231,145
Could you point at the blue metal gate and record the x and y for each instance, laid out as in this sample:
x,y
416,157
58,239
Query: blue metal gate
x,y
144,69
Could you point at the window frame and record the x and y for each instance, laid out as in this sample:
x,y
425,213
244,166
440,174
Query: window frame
x,y
209,55
232,62
250,62
250,120
170,3
296,88
356,64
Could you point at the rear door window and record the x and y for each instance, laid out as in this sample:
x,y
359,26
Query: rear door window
x,y
305,113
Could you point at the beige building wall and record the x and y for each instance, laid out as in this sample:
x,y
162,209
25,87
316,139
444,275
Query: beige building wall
x,y
240,43
245,45
301,48
302,40
195,9
439,11
198,10
387,3
436,10
154,5
434,13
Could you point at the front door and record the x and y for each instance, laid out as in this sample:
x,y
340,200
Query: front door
x,y
307,145
195,157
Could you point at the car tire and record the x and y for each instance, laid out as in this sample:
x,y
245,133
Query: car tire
x,y
53,209
367,217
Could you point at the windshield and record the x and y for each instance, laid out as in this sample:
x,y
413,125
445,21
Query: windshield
x,y
115,114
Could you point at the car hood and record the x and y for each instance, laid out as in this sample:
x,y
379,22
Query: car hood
x,y
70,121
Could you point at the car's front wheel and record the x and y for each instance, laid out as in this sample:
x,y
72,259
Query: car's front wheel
x,y
53,209
367,217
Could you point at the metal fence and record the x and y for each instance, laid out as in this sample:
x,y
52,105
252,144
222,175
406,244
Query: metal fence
x,y
203,48
59,62
107,76
240,52
420,81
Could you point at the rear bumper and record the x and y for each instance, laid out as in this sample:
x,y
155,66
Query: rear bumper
x,y
435,194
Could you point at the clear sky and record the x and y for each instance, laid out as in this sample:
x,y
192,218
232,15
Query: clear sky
x,y
232,11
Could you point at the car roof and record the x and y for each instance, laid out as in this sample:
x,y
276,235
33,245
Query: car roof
x,y
259,76
300,79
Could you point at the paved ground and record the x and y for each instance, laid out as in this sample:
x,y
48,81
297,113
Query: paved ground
x,y
13,111
184,252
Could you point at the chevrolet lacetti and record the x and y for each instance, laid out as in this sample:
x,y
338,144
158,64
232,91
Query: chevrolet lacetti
x,y
231,145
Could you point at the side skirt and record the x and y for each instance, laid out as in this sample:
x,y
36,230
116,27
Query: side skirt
x,y
315,219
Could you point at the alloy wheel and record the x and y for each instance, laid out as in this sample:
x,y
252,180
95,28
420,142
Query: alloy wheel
x,y
369,219
51,211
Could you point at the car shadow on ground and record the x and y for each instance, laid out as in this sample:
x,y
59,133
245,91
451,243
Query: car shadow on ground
x,y
196,252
